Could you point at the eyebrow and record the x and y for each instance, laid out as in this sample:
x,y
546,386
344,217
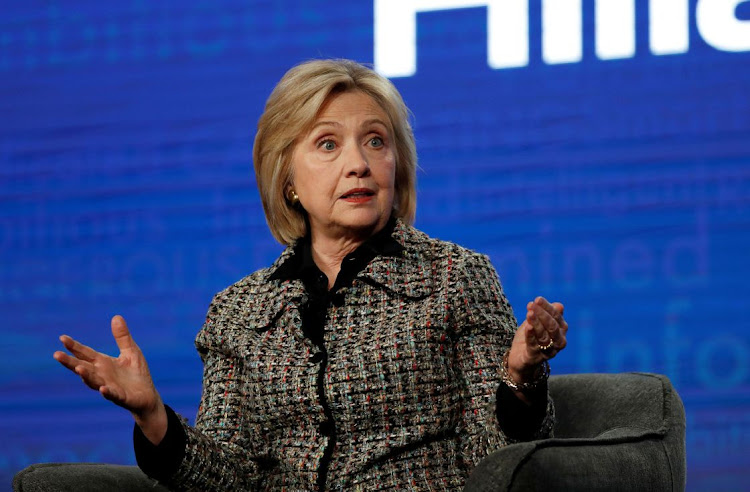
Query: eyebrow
x,y
337,124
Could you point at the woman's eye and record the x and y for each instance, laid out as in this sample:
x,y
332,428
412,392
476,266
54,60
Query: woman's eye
x,y
376,142
327,145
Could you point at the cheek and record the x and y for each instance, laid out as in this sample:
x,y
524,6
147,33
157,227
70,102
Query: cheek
x,y
387,183
308,175
391,176
387,171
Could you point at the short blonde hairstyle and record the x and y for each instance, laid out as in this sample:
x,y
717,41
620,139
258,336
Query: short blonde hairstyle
x,y
291,111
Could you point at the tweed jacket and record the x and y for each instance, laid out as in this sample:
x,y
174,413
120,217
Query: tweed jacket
x,y
413,353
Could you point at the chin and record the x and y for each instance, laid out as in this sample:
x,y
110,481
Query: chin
x,y
367,223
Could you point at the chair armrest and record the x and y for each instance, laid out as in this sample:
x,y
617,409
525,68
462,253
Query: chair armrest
x,y
613,432
83,477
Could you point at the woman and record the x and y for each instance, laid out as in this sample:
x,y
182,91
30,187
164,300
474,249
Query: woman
x,y
368,356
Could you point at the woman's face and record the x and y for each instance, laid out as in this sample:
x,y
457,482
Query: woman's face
x,y
344,168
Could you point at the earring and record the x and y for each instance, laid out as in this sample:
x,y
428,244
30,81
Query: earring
x,y
293,198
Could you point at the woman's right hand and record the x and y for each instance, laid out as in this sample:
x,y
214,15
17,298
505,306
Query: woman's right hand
x,y
124,380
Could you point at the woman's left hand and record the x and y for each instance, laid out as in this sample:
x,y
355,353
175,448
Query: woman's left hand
x,y
541,336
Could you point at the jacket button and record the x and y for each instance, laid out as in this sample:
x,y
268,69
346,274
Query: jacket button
x,y
317,357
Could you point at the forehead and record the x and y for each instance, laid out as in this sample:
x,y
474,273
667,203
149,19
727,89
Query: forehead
x,y
348,105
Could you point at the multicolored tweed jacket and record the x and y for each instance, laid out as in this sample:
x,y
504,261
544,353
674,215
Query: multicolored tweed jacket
x,y
411,378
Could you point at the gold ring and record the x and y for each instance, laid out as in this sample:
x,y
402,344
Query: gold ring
x,y
548,347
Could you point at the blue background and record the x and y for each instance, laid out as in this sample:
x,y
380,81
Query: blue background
x,y
620,187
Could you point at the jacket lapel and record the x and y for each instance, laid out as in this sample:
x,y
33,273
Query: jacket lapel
x,y
273,296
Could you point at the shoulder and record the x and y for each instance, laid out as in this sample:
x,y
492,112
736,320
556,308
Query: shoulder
x,y
242,289
247,306
446,253
477,294
256,284
226,311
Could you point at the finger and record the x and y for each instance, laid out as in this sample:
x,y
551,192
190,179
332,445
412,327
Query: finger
x,y
66,360
533,343
554,309
533,353
529,336
78,349
528,333
558,310
550,324
89,376
556,331
540,333
122,334
552,339
559,307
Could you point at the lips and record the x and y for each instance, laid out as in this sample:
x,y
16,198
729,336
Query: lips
x,y
358,193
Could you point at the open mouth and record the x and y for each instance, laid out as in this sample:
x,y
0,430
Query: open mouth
x,y
358,193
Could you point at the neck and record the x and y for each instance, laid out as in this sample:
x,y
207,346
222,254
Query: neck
x,y
329,251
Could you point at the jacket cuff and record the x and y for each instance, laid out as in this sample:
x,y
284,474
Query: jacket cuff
x,y
161,461
518,420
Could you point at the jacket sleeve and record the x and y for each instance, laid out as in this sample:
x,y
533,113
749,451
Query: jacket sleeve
x,y
485,327
220,452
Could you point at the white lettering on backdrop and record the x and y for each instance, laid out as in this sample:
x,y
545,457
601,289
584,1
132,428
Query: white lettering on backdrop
x,y
395,30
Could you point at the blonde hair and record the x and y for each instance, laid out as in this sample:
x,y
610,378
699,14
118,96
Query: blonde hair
x,y
290,112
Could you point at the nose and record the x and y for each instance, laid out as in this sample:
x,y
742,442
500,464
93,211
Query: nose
x,y
356,162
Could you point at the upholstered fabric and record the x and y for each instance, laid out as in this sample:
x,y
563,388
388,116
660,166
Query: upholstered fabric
x,y
614,432
83,477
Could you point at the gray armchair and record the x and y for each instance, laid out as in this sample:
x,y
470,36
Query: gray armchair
x,y
614,432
